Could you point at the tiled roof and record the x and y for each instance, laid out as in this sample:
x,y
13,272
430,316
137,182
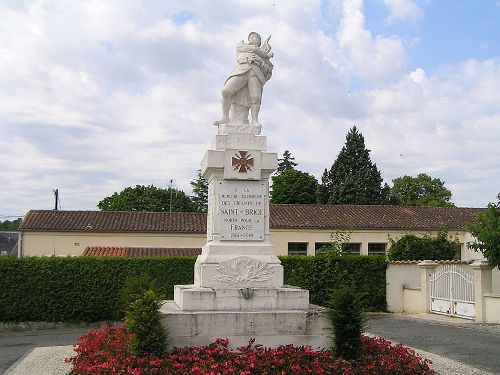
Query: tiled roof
x,y
369,217
139,251
282,216
114,221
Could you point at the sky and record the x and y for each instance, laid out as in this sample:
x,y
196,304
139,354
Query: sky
x,y
96,96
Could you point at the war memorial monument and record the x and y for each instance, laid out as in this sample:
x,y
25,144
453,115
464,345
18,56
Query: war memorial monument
x,y
238,289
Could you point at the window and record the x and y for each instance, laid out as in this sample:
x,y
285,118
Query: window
x,y
319,245
297,248
458,251
351,248
376,248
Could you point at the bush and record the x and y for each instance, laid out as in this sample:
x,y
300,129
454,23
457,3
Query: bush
x,y
135,287
411,247
106,351
143,321
88,289
321,274
347,319
80,289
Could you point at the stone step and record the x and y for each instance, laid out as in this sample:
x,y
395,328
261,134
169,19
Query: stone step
x,y
271,328
194,298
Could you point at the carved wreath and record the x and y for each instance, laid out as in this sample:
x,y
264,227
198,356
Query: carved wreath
x,y
243,270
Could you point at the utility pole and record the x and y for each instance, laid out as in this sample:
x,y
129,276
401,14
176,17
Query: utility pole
x,y
171,190
56,199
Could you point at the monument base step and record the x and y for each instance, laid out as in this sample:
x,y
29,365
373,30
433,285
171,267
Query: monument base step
x,y
194,298
269,328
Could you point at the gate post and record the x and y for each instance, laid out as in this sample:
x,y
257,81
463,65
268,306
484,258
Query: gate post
x,y
427,267
482,285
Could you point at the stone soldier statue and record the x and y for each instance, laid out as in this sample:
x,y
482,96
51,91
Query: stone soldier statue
x,y
243,89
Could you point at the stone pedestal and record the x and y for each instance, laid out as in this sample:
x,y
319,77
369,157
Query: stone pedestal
x,y
238,289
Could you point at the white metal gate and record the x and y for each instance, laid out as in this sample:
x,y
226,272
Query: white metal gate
x,y
452,291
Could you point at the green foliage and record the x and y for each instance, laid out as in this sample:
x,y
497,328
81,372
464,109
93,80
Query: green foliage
x,y
486,230
200,191
293,186
87,289
80,289
353,178
143,320
422,190
148,198
319,274
335,247
134,287
286,163
411,247
10,226
347,318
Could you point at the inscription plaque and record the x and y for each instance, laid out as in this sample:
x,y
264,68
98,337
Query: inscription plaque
x,y
240,142
241,210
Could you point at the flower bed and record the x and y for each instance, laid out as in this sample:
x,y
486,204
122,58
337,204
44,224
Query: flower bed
x,y
106,351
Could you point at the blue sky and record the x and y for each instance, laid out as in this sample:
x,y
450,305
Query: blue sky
x,y
97,96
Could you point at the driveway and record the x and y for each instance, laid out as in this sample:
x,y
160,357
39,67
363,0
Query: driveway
x,y
14,344
456,339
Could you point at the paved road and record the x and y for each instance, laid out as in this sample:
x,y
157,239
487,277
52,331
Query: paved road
x,y
472,344
14,344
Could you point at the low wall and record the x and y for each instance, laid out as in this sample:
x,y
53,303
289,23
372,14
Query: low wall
x,y
413,300
492,305
495,278
408,287
400,275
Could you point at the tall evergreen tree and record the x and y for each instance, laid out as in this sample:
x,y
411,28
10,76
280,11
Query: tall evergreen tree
x,y
353,178
200,192
287,162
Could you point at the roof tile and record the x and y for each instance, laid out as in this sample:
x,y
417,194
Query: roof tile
x,y
139,251
282,216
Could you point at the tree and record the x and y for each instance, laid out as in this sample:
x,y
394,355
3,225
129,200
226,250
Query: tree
x,y
285,163
412,247
10,226
293,186
148,198
200,192
422,190
353,178
486,230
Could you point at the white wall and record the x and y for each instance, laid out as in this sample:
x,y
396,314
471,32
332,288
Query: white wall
x,y
399,276
74,243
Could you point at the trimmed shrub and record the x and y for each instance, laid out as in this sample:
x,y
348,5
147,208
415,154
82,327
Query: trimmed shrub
x,y
80,289
347,318
411,247
321,274
143,321
88,289
135,287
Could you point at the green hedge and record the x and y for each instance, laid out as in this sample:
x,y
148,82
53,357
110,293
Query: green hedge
x,y
320,274
79,289
86,289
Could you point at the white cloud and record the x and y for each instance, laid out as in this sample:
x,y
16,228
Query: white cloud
x,y
375,59
403,10
97,96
